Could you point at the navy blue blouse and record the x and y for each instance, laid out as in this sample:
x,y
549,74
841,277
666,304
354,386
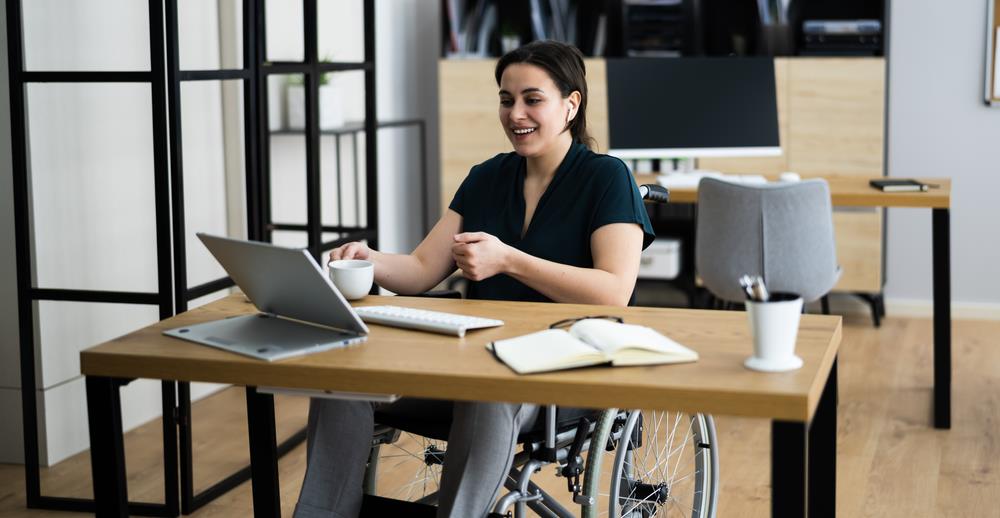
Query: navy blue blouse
x,y
588,191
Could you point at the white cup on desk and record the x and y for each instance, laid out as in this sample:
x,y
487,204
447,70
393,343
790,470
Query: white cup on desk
x,y
774,325
352,277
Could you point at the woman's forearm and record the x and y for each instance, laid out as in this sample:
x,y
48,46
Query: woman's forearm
x,y
404,274
564,283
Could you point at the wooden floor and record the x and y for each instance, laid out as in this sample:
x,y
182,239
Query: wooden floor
x,y
890,462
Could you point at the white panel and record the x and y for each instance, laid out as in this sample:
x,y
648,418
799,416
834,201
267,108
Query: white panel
x,y
62,423
198,34
346,198
290,239
341,30
399,194
204,175
91,151
69,327
288,179
11,433
92,35
283,23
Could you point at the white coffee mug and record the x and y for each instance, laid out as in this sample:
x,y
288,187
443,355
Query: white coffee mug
x,y
774,326
353,277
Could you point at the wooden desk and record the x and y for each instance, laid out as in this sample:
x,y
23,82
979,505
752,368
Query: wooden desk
x,y
855,192
801,404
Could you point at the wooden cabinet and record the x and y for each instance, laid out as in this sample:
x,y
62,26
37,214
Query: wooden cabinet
x,y
831,119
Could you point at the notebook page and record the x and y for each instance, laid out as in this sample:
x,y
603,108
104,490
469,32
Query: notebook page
x,y
611,336
544,350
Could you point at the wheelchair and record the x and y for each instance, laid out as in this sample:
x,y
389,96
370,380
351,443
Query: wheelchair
x,y
617,463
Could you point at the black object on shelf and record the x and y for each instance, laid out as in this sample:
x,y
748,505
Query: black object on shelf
x,y
659,29
841,37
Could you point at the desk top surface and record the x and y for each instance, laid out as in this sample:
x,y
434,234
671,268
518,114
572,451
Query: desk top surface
x,y
846,191
419,364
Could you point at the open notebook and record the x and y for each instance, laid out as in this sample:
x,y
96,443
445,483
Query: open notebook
x,y
589,342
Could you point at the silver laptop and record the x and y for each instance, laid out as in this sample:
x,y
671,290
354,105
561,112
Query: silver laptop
x,y
301,311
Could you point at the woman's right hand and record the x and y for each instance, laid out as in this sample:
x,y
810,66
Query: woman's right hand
x,y
352,250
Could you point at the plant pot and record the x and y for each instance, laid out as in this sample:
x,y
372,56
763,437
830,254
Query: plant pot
x,y
275,106
331,110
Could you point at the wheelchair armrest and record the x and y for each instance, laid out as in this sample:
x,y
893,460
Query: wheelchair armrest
x,y
654,193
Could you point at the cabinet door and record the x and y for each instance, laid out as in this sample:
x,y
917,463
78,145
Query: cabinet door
x,y
470,127
837,116
859,249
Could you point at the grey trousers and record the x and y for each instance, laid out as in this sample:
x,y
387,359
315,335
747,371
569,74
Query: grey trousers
x,y
481,447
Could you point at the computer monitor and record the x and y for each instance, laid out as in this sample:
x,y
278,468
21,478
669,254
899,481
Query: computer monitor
x,y
692,107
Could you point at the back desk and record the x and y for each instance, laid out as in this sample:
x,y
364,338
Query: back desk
x,y
855,192
800,404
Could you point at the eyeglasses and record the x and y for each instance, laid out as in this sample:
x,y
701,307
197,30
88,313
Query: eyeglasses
x,y
570,321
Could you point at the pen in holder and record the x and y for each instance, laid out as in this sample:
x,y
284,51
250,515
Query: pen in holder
x,y
774,325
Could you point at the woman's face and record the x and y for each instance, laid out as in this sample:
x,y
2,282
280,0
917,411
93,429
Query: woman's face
x,y
533,112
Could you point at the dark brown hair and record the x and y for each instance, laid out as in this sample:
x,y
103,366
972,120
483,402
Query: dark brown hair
x,y
564,64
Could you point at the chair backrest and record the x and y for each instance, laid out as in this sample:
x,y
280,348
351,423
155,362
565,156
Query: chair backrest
x,y
780,231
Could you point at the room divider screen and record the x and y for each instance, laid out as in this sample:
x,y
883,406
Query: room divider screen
x,y
173,293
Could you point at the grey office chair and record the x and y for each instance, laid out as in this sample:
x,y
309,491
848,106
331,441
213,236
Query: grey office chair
x,y
781,231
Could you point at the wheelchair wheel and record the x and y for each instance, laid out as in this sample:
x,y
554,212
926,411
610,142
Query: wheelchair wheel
x,y
652,464
407,467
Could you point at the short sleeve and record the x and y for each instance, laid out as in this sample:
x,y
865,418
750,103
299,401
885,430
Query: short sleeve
x,y
620,201
458,201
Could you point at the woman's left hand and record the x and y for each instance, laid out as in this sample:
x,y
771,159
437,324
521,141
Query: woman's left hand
x,y
480,255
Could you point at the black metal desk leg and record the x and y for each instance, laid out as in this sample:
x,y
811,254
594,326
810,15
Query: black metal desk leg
x,y
263,454
822,463
789,466
942,318
804,461
107,447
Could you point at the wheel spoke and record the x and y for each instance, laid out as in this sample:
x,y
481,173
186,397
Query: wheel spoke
x,y
663,477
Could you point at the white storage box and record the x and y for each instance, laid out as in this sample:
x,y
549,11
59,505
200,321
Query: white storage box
x,y
662,260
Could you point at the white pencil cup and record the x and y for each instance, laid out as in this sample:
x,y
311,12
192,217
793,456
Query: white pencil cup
x,y
774,326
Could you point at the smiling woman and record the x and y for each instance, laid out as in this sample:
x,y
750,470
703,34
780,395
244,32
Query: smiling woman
x,y
551,221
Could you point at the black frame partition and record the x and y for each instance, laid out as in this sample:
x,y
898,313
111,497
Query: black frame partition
x,y
312,69
173,293
28,294
189,500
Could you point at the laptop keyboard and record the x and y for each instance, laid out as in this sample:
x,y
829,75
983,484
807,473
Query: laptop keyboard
x,y
424,320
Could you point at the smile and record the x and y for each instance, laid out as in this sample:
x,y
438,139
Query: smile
x,y
523,131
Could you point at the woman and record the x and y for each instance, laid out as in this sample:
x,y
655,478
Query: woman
x,y
551,221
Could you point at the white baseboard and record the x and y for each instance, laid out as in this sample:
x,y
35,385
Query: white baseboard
x,y
959,310
844,304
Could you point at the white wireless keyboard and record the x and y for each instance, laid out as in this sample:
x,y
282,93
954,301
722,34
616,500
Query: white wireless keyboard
x,y
425,320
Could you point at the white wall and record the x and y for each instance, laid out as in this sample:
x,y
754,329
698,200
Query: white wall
x,y
939,126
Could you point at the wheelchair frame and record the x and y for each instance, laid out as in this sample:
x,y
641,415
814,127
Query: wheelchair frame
x,y
564,449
